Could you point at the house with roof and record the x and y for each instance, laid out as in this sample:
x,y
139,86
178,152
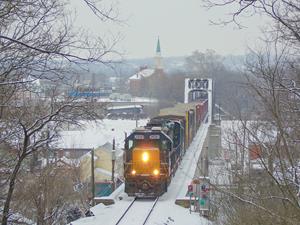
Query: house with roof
x,y
102,169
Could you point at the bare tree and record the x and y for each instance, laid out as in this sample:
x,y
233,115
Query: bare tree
x,y
285,14
267,185
268,194
46,195
38,43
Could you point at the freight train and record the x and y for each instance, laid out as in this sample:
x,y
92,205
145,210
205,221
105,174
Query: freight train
x,y
153,152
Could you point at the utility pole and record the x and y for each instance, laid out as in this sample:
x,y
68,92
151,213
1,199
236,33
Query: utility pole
x,y
113,160
219,114
136,121
135,115
93,177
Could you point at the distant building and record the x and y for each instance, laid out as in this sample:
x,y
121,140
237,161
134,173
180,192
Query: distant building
x,y
126,112
88,92
142,82
137,82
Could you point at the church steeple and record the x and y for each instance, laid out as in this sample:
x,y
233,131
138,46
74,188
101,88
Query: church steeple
x,y
158,47
158,64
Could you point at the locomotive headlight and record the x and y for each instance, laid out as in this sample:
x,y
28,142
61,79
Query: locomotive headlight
x,y
156,172
145,156
133,172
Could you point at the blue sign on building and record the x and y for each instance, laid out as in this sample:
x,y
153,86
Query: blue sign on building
x,y
85,94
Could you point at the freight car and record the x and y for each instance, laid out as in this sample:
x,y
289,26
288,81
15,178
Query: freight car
x,y
153,152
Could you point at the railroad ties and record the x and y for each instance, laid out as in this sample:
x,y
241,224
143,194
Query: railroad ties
x,y
138,212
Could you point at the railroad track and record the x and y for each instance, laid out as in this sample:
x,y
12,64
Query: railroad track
x,y
138,212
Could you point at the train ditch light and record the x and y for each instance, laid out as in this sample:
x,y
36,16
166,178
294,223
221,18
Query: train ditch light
x,y
156,172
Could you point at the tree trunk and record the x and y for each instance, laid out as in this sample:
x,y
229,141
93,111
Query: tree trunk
x,y
41,214
10,191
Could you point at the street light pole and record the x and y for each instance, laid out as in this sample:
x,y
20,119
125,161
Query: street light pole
x,y
113,160
93,176
135,115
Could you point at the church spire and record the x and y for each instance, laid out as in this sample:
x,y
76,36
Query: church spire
x,y
158,64
158,46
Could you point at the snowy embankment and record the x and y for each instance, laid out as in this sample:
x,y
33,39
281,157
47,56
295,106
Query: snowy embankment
x,y
166,211
96,134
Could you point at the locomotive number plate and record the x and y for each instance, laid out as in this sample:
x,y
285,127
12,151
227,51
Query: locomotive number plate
x,y
139,137
154,137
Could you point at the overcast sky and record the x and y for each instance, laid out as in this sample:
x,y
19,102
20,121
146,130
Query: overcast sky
x,y
182,25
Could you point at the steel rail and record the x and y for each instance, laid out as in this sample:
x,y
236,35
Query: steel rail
x,y
148,215
120,219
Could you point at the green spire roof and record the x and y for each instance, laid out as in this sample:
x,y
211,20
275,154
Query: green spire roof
x,y
158,46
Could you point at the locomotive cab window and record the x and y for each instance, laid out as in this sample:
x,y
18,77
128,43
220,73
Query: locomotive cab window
x,y
129,144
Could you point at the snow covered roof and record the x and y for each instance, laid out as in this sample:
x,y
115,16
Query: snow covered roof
x,y
94,135
63,161
257,166
132,99
125,107
142,74
17,218
105,172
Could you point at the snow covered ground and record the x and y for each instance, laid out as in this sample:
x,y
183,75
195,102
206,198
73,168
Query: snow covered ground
x,y
166,212
93,135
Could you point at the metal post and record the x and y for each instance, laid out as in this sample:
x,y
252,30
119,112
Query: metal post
x,y
93,177
220,114
113,160
190,203
136,120
135,115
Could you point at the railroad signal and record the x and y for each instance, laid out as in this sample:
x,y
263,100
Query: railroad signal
x,y
204,188
190,190
202,202
204,194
